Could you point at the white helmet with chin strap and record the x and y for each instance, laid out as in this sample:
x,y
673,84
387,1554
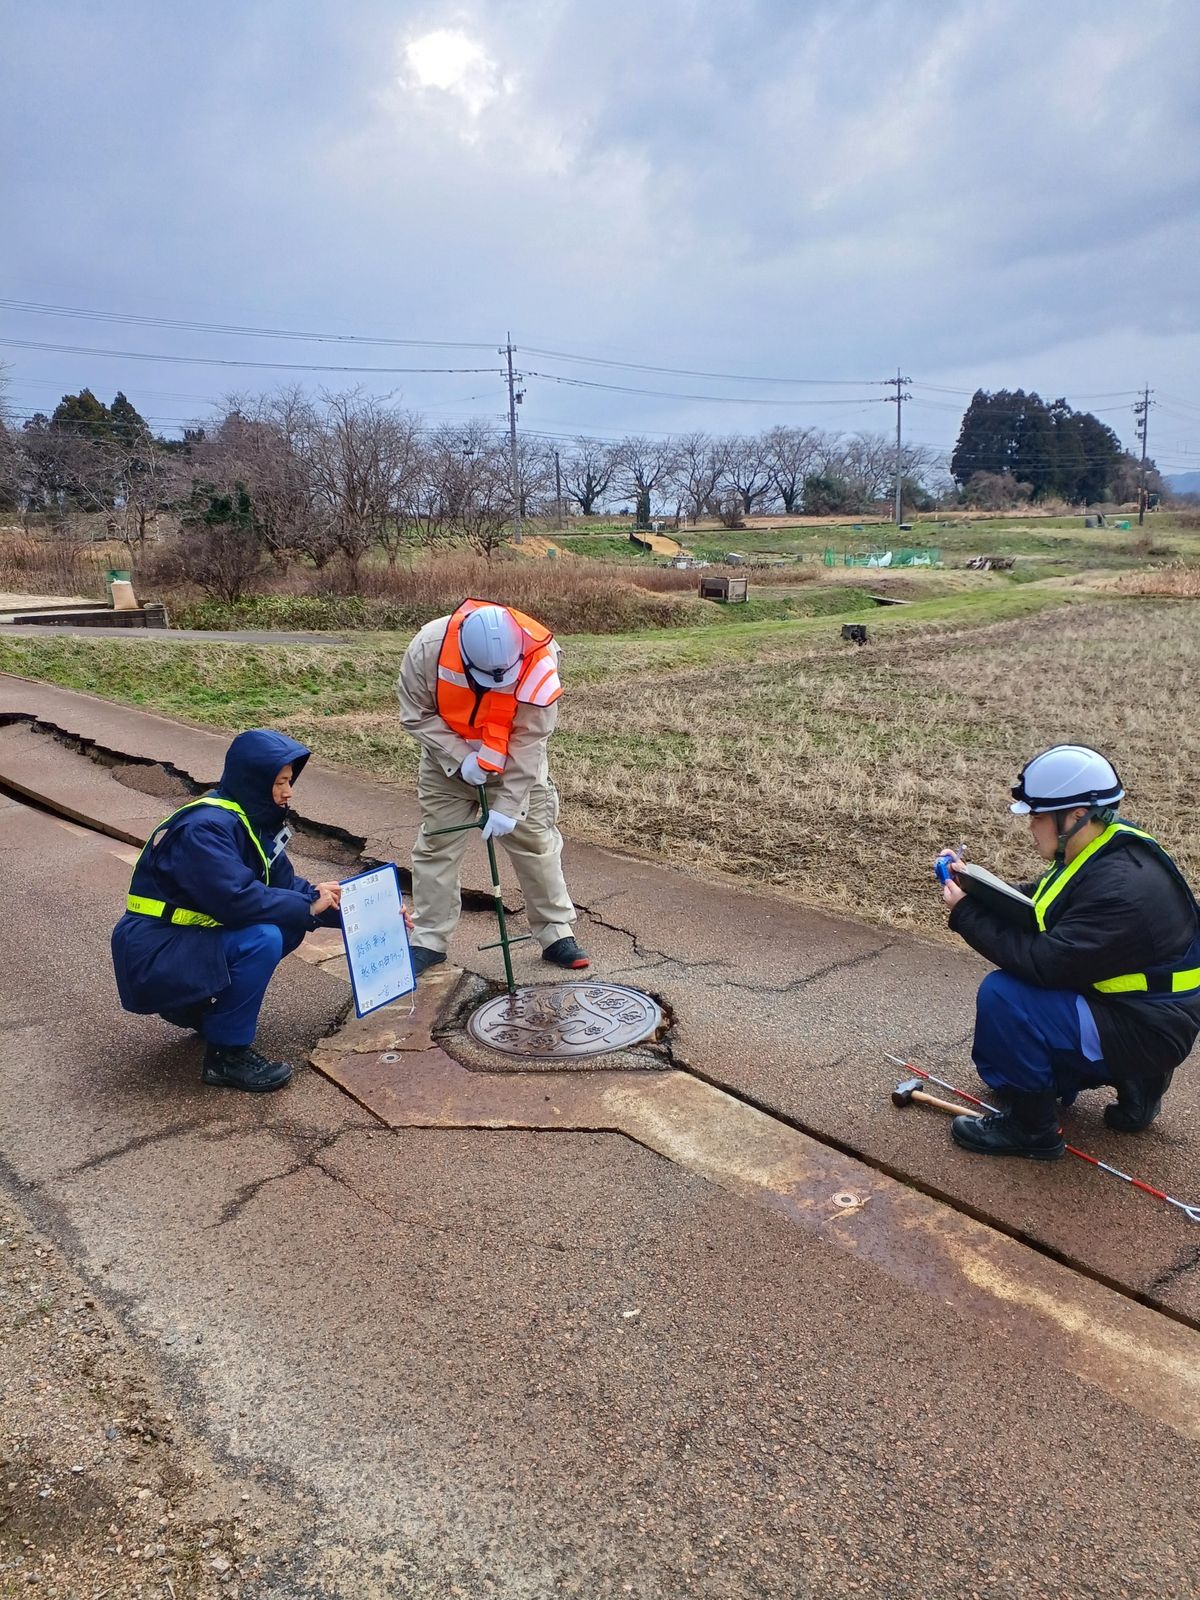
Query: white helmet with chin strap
x,y
1064,778
491,642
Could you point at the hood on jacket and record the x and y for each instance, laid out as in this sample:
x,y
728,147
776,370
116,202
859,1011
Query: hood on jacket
x,y
252,763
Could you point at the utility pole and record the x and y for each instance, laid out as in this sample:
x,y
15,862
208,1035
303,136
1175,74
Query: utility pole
x,y
1142,412
901,397
513,398
557,491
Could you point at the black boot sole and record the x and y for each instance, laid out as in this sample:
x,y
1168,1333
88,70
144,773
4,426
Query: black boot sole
x,y
1026,1155
218,1080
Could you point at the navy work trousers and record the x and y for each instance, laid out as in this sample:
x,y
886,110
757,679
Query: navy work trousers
x,y
251,954
1031,1039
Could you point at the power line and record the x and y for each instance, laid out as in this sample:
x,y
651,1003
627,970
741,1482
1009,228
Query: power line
x,y
236,330
224,361
713,399
690,372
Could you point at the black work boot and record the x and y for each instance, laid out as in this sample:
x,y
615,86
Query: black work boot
x,y
566,953
423,958
1028,1128
1138,1102
240,1066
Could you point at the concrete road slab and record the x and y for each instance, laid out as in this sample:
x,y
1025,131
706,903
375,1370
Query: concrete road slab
x,y
515,1365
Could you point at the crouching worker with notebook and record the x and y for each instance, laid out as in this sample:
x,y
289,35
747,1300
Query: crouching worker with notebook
x,y
214,905
1099,976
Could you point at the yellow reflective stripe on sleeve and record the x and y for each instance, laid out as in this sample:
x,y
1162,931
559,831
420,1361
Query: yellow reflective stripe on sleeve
x,y
1131,983
143,907
1182,982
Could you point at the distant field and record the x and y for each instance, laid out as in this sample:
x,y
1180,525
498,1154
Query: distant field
x,y
751,740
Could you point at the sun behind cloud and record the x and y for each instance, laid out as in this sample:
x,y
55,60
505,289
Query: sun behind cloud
x,y
450,60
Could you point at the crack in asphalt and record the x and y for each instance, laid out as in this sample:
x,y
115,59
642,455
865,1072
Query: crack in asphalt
x,y
662,958
1170,1276
249,1192
312,1161
307,829
143,1141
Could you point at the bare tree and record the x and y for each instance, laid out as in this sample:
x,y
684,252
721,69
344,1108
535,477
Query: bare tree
x,y
869,466
748,468
700,462
463,489
790,454
644,466
535,473
14,463
221,545
359,459
149,481
587,472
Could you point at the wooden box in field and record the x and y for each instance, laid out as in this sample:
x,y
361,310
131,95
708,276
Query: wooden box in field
x,y
728,590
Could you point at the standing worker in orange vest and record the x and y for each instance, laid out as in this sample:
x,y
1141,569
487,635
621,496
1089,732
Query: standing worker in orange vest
x,y
478,691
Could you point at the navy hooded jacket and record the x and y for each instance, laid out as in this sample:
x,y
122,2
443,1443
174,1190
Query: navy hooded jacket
x,y
205,860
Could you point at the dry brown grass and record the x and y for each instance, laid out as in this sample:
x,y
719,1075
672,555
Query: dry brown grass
x,y
837,777
1179,580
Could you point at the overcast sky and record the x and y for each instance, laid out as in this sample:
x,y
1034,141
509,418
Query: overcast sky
x,y
983,192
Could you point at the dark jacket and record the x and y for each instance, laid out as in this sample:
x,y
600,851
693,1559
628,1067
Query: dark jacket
x,y
205,860
1124,911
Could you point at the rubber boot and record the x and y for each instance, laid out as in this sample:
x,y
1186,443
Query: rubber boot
x,y
241,1067
1028,1128
1138,1102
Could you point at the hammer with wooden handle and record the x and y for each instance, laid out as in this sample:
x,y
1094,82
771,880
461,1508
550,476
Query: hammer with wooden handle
x,y
911,1090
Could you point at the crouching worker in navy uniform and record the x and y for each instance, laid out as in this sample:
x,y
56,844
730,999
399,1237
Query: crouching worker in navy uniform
x,y
214,905
1102,986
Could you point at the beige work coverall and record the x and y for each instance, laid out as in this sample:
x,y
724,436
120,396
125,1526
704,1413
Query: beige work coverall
x,y
523,790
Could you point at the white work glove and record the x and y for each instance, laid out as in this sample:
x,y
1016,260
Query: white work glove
x,y
472,771
497,825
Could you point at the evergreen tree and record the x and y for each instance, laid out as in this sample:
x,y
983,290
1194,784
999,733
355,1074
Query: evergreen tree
x,y
1033,456
128,427
1101,460
1053,449
1069,458
83,414
985,442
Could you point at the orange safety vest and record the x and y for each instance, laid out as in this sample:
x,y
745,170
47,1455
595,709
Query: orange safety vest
x,y
484,717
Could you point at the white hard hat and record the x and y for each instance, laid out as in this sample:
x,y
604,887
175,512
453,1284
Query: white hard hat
x,y
491,641
1065,776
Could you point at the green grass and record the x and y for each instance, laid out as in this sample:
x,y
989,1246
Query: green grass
x,y
614,548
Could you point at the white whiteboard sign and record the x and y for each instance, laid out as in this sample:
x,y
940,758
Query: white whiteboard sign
x,y
376,939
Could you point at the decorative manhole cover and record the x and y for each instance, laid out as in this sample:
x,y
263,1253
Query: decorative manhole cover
x,y
565,1019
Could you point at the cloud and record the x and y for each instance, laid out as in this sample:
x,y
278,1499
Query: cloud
x,y
810,187
450,61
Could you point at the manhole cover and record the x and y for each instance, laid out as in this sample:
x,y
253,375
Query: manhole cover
x,y
565,1019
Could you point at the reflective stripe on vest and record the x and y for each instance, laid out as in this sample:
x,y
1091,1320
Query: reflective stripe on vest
x,y
484,717
180,916
1163,980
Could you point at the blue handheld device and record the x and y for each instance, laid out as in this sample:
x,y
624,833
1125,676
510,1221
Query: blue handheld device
x,y
942,867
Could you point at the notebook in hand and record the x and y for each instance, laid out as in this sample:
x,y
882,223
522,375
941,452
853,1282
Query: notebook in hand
x,y
994,893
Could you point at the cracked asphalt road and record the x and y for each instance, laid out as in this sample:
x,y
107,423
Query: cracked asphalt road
x,y
512,1365
791,1009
